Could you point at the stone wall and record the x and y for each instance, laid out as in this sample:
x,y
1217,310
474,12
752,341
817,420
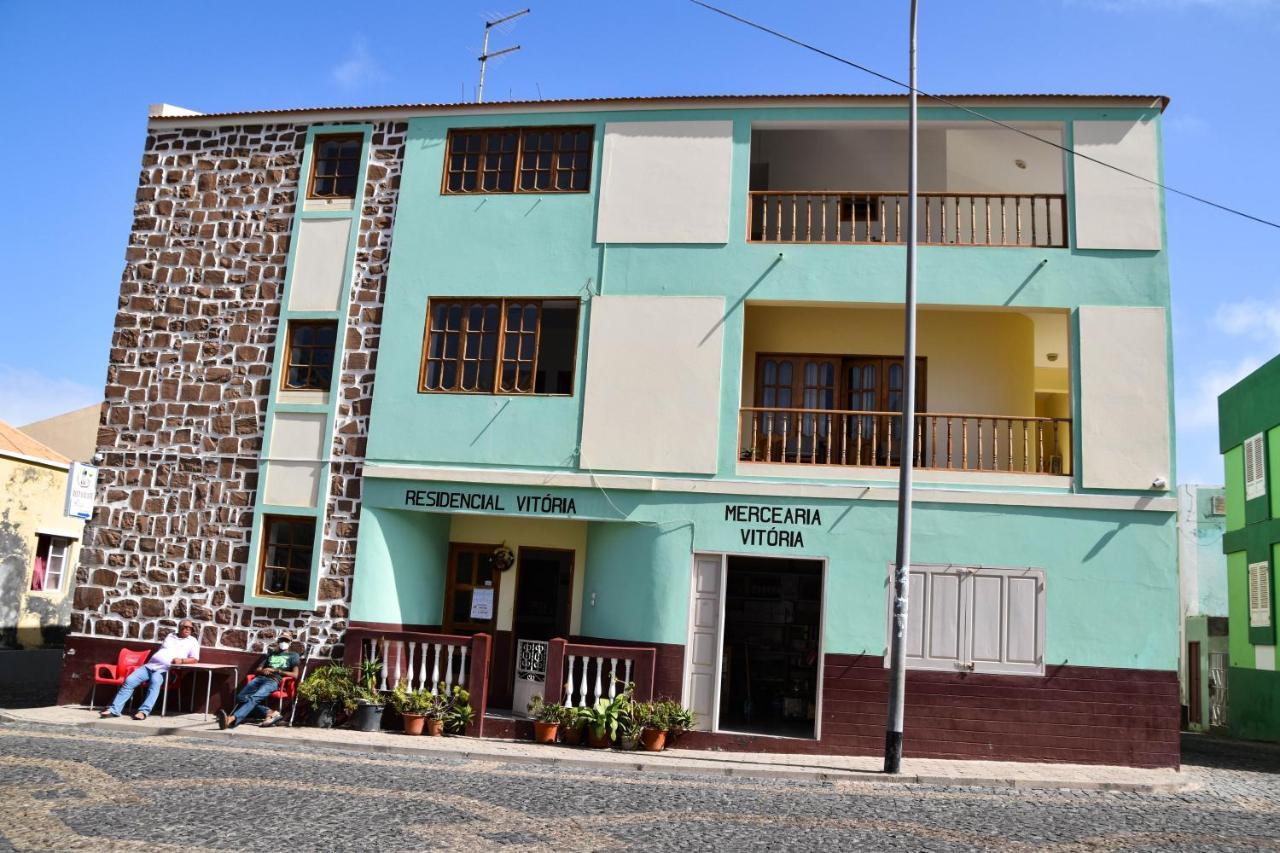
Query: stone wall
x,y
187,385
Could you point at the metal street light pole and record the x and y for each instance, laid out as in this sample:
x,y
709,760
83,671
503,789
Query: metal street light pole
x,y
902,560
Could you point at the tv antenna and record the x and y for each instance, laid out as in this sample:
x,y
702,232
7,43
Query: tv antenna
x,y
485,55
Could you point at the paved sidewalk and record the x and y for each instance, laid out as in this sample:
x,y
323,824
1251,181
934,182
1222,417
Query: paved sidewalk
x,y
678,761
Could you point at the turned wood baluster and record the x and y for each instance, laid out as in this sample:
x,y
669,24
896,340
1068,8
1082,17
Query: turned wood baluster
x,y
868,198
949,450
1026,456
955,238
918,450
897,220
1033,220
808,219
786,431
1004,233
764,217
768,438
830,436
928,223
1017,218
973,220
1008,424
778,226
884,235
979,420
1040,447
933,441
964,444
754,437
875,438
858,444
825,200
987,201
844,438
1057,443
995,444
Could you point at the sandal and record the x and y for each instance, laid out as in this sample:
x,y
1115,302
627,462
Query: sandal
x,y
105,715
141,715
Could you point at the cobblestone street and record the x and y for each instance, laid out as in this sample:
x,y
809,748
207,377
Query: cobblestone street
x,y
63,790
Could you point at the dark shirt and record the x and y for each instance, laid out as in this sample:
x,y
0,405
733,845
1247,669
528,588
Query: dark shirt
x,y
283,661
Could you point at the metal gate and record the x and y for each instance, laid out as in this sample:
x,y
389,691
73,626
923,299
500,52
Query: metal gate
x,y
531,673
1218,689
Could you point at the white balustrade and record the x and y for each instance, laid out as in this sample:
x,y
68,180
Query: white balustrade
x,y
448,670
462,667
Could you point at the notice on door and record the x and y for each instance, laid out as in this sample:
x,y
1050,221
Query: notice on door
x,y
481,605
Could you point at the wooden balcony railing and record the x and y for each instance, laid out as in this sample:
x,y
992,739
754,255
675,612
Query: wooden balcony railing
x,y
425,661
579,673
945,219
943,440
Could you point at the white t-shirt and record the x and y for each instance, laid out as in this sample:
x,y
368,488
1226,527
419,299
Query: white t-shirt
x,y
174,646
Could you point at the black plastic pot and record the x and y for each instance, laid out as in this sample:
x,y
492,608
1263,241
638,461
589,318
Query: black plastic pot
x,y
367,718
322,715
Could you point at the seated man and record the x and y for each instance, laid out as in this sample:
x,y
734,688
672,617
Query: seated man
x,y
270,669
179,647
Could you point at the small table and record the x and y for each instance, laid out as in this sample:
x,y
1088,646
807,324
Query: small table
x,y
209,669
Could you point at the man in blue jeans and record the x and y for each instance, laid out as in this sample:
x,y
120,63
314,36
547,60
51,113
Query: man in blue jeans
x,y
180,647
270,670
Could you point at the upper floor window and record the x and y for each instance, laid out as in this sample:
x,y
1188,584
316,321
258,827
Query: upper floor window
x,y
309,366
519,160
284,567
335,160
50,564
500,346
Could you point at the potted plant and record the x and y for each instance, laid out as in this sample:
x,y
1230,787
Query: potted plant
x,y
547,718
629,727
653,726
572,724
367,704
679,719
456,712
604,716
324,690
415,707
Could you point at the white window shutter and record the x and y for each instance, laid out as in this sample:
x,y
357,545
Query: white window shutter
x,y
1255,468
1259,594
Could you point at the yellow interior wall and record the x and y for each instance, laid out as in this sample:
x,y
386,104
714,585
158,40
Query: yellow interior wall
x,y
528,533
978,362
31,502
1055,379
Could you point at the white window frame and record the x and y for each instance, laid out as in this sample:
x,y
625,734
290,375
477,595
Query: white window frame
x,y
964,661
61,547
1255,466
1260,594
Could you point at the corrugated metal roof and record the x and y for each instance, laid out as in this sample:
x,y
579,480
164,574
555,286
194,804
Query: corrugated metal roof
x,y
967,99
15,442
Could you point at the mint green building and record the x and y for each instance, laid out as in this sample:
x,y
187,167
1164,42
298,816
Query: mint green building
x,y
550,396
1249,435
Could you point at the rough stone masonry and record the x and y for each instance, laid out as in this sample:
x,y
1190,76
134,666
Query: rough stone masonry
x,y
187,384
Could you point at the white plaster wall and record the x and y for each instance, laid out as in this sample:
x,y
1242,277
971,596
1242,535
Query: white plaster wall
x,y
653,384
1113,210
665,182
297,435
319,264
1124,397
292,483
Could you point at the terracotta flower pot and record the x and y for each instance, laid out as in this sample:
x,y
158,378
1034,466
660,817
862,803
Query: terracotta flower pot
x,y
653,740
435,728
545,732
413,723
572,735
595,741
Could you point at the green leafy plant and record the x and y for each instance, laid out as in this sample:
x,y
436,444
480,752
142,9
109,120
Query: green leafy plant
x,y
571,717
652,715
456,710
547,712
678,718
327,684
606,715
404,701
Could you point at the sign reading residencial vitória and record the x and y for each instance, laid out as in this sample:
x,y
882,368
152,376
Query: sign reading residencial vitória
x,y
82,482
773,536
543,504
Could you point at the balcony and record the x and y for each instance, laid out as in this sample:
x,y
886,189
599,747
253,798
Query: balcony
x,y
822,388
978,186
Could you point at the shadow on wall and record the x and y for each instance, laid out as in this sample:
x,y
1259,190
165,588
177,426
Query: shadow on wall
x,y
14,559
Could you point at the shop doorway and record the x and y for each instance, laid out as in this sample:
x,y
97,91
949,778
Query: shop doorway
x,y
544,598
770,654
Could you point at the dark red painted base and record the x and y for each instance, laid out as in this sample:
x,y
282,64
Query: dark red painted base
x,y
83,653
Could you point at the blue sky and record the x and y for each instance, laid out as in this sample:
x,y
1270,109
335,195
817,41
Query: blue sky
x,y
78,78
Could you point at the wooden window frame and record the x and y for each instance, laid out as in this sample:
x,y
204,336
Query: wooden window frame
x,y
294,325
519,132
842,362
447,623
260,583
316,142
53,541
499,357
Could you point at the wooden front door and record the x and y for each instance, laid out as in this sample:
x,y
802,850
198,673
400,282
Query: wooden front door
x,y
471,590
1195,711
874,384
544,593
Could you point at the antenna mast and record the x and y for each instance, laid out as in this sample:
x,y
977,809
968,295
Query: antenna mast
x,y
484,51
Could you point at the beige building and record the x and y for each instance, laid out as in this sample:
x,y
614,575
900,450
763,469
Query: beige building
x,y
74,434
39,545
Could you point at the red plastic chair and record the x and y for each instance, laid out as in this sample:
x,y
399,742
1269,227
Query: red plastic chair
x,y
115,674
288,689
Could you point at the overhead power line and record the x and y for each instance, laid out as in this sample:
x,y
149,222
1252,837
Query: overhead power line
x,y
976,114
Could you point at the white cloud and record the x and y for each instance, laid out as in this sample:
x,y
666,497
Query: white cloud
x,y
27,395
1198,405
1251,318
358,69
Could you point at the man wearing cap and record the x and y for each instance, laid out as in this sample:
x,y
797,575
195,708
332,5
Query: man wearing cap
x,y
179,647
269,671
